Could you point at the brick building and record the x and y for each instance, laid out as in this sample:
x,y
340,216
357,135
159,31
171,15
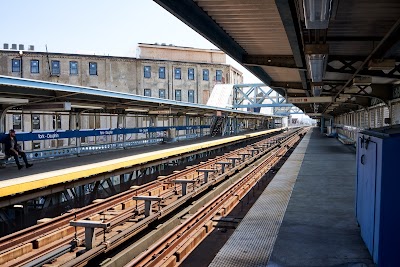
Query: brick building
x,y
163,71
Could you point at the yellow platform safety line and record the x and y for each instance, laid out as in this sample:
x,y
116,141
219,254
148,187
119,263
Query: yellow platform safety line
x,y
41,180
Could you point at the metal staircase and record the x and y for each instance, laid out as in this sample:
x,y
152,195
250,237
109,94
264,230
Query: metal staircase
x,y
216,126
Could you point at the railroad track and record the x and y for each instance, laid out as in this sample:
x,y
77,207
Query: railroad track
x,y
52,240
177,245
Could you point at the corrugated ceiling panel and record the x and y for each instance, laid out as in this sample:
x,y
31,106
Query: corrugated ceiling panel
x,y
283,74
362,17
254,24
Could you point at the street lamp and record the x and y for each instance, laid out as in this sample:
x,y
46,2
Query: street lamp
x,y
20,55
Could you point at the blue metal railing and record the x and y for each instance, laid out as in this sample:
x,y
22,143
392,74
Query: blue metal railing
x,y
76,149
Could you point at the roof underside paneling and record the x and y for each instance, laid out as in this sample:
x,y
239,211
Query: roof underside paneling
x,y
89,99
255,25
269,38
283,74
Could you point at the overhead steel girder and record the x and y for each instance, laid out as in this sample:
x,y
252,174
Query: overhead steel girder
x,y
349,64
288,85
287,12
263,105
327,86
380,93
386,41
270,60
383,92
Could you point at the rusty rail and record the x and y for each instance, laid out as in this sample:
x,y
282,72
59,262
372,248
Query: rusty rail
x,y
110,244
30,234
177,245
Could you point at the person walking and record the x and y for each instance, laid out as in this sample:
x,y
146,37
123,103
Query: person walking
x,y
11,148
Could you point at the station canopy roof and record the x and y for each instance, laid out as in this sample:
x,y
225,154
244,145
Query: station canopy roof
x,y
33,95
347,52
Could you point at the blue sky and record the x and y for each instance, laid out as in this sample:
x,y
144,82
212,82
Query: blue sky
x,y
100,27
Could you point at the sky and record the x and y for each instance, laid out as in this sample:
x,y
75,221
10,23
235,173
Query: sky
x,y
97,27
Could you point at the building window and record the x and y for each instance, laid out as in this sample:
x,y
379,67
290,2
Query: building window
x,y
55,67
161,93
177,73
35,122
35,66
16,65
147,92
73,68
92,68
218,75
56,122
161,73
178,95
17,122
147,71
191,96
206,75
191,74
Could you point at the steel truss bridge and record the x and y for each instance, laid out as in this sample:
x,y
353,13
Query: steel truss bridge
x,y
256,96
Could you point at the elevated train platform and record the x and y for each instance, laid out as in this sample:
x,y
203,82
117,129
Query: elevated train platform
x,y
82,125
14,182
306,215
122,121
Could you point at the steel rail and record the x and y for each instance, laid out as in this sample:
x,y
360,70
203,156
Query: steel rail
x,y
117,199
161,252
123,236
28,234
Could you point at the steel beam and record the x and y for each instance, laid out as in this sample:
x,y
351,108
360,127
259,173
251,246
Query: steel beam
x,y
289,62
270,60
288,13
287,85
263,105
365,72
385,42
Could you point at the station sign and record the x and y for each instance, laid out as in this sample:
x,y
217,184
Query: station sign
x,y
60,134
314,99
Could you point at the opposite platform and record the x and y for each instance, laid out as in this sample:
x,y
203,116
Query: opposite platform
x,y
317,227
12,183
